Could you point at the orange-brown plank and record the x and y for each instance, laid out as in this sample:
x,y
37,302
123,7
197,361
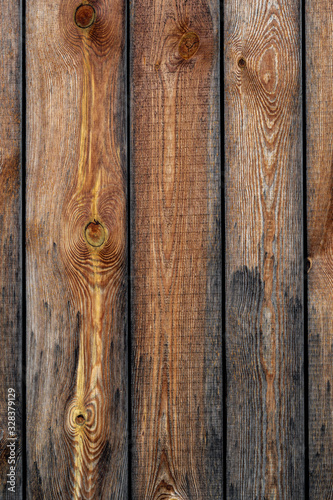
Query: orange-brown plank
x,y
176,250
76,250
319,98
10,253
264,257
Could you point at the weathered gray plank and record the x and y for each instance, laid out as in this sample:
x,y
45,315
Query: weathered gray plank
x,y
264,260
319,98
10,252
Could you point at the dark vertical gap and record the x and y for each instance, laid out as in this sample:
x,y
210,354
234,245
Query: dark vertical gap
x,y
305,253
223,260
23,242
129,281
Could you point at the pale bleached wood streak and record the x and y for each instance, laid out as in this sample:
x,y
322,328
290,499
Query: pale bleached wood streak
x,y
176,251
76,250
264,261
319,98
10,249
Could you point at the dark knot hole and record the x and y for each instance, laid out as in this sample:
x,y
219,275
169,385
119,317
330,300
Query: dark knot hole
x,y
80,420
242,62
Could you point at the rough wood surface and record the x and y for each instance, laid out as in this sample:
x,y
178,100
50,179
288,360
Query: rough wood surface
x,y
176,251
319,98
76,250
264,263
10,248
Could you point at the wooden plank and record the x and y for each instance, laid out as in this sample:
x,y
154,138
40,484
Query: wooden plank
x,y
76,250
10,253
264,261
319,97
176,250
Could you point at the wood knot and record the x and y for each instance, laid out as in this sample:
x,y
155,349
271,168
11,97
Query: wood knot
x,y
85,16
79,419
188,45
241,63
95,234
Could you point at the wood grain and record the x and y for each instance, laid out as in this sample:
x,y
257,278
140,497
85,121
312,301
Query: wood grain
x,y
176,250
76,251
10,248
319,97
264,261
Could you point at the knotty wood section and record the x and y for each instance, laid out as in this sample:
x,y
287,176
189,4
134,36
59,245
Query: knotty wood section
x,y
176,250
76,250
264,262
319,97
10,247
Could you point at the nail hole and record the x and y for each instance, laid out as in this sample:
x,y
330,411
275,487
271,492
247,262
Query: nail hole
x,y
80,420
85,16
242,62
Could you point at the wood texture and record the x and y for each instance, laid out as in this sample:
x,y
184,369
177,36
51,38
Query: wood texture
x,y
176,250
264,262
319,97
76,251
10,249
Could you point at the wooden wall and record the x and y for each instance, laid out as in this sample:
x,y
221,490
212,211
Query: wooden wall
x,y
166,315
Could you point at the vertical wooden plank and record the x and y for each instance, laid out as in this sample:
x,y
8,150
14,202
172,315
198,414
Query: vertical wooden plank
x,y
319,98
176,250
10,253
76,250
264,263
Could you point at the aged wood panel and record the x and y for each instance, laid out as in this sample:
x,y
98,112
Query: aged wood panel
x,y
76,250
10,253
176,250
264,261
319,98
